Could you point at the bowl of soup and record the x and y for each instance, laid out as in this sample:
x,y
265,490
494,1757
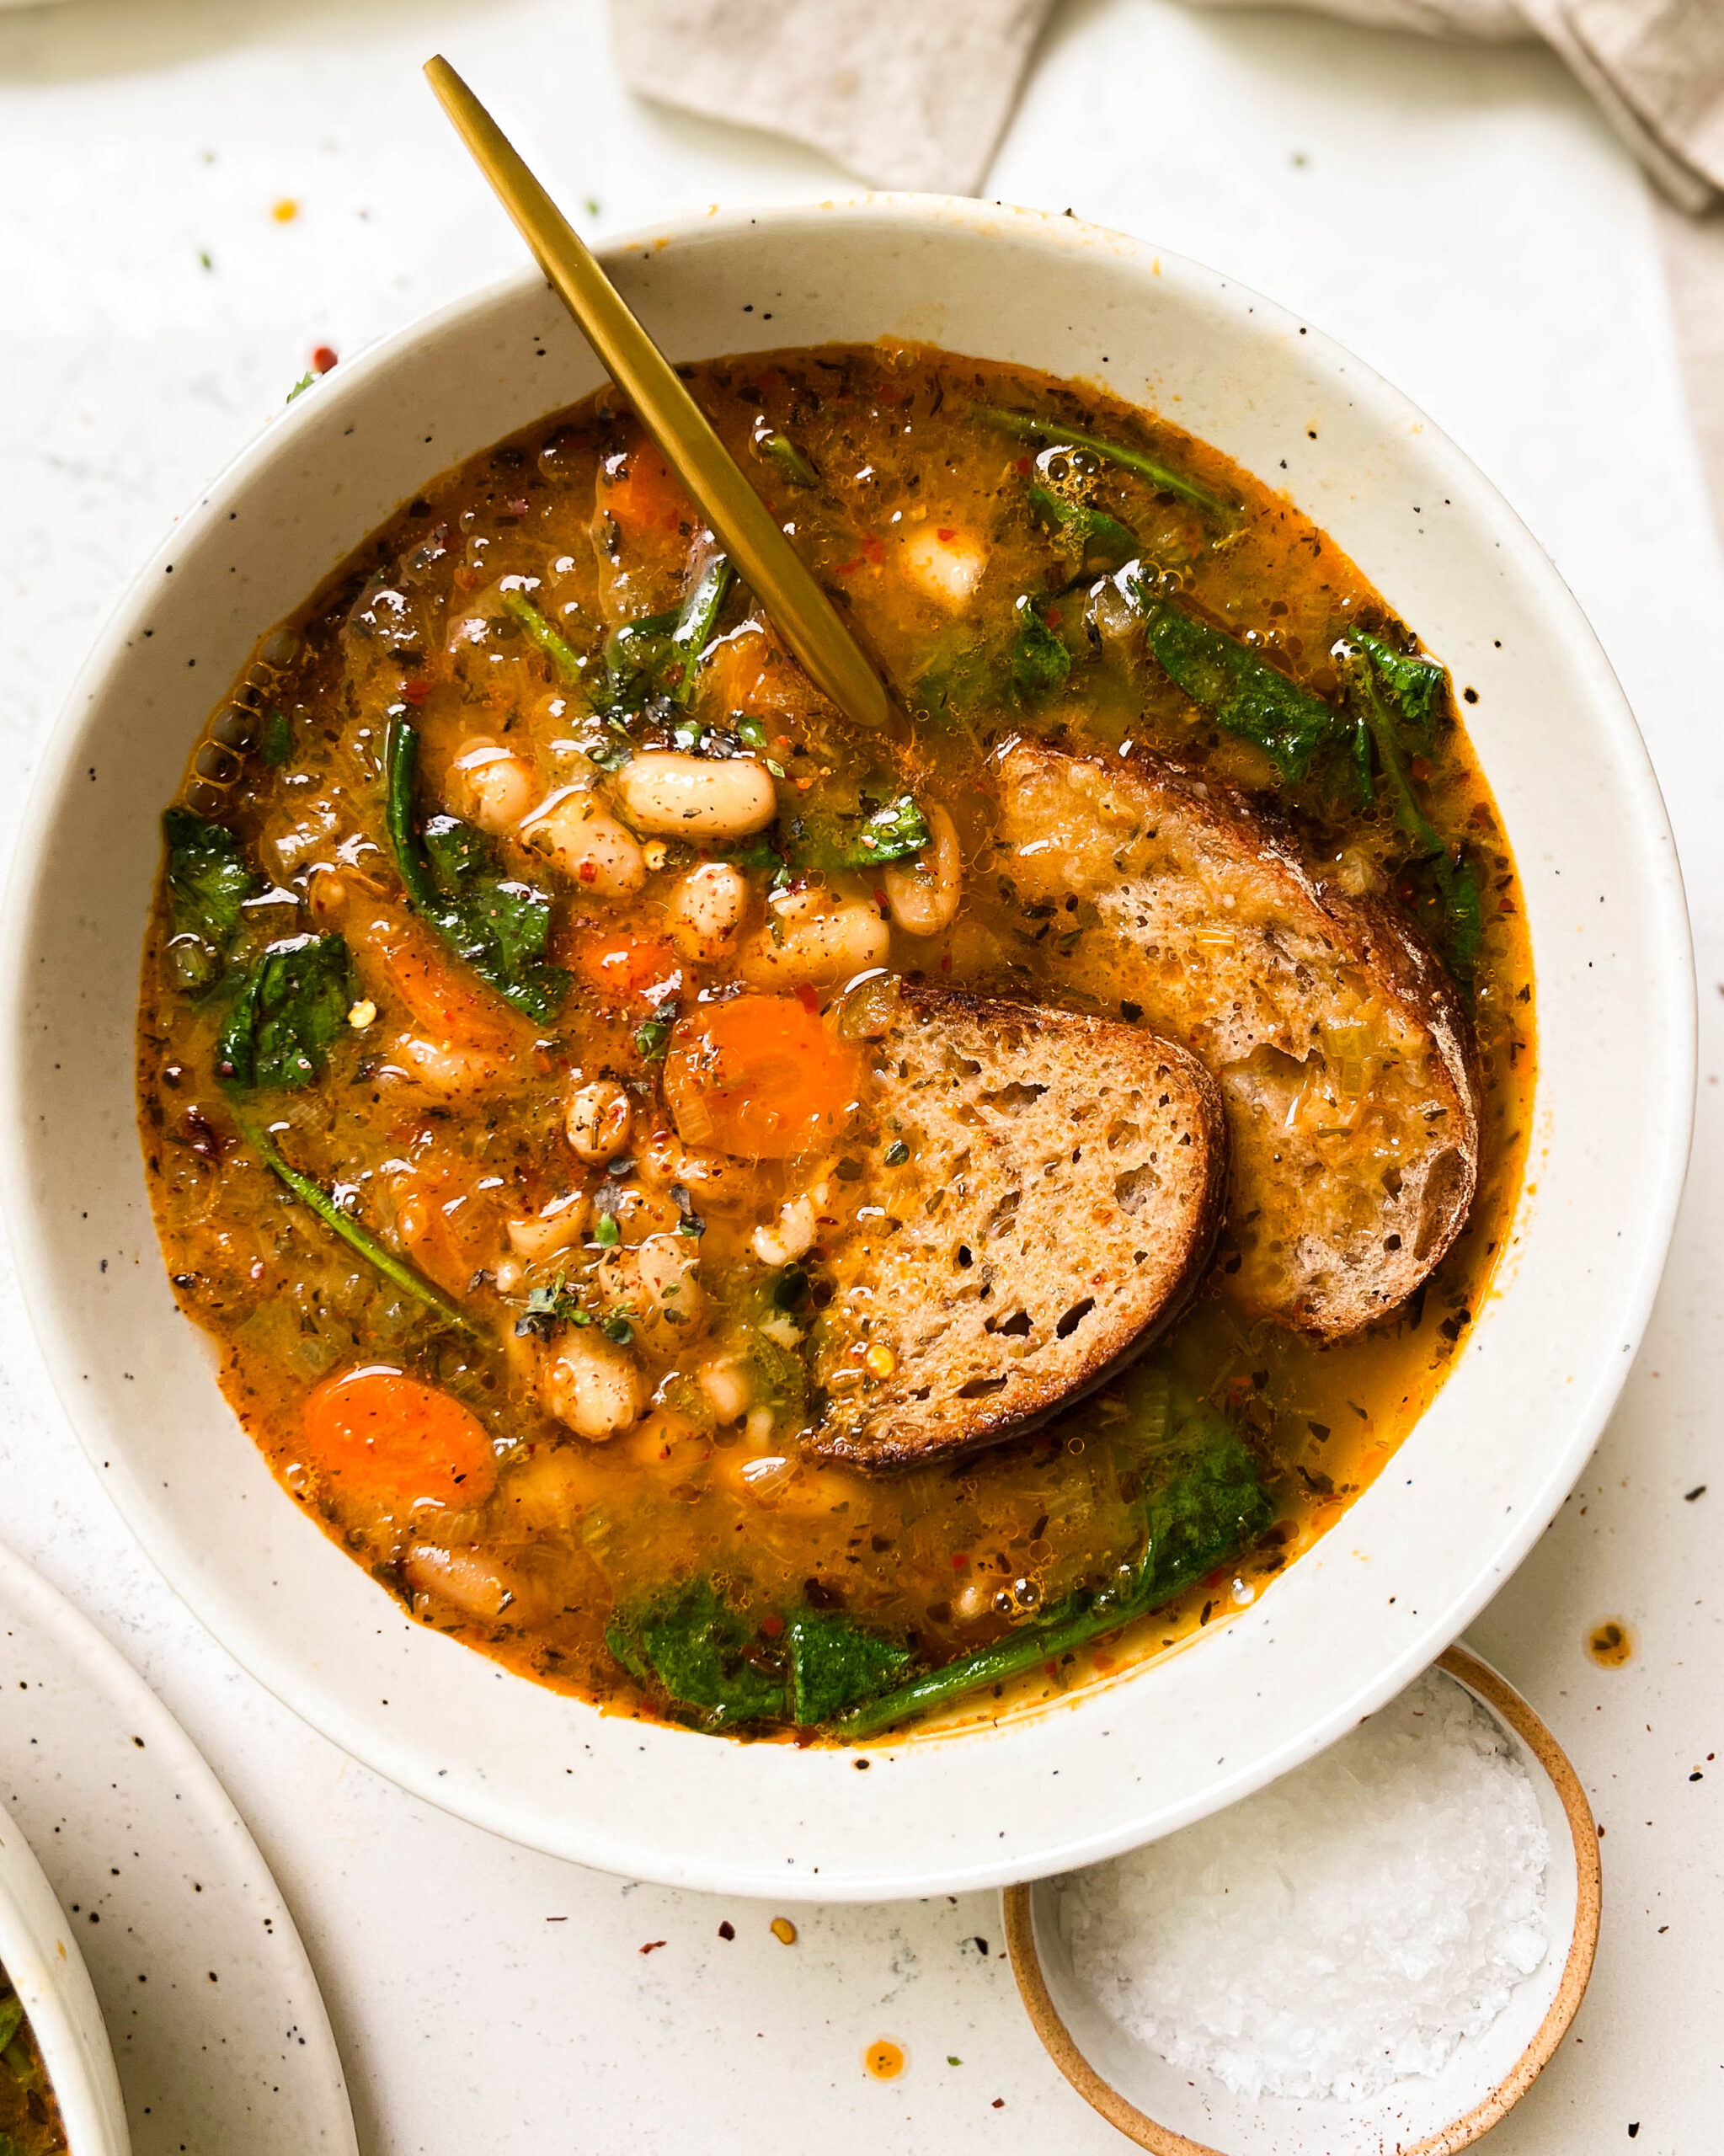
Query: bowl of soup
x,y
807,1312
59,2093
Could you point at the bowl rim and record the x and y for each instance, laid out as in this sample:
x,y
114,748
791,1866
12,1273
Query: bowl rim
x,y
39,1951
1478,1677
1671,1098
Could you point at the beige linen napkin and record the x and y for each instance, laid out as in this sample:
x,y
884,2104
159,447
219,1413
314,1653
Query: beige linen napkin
x,y
914,93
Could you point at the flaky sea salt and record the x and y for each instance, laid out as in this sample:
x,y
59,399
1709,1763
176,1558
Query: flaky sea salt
x,y
1343,1928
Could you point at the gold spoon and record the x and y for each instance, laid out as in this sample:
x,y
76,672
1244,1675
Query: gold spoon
x,y
802,614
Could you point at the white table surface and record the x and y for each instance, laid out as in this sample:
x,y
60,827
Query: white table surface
x,y
1462,219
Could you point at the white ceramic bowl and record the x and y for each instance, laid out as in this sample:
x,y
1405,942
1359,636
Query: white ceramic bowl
x,y
1469,1491
39,1953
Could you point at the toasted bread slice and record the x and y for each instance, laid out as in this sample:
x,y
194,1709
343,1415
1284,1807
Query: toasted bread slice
x,y
1345,1057
1042,1197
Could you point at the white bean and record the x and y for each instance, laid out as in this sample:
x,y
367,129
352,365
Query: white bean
x,y
475,1585
593,1385
697,797
728,1385
715,1182
559,1226
448,1072
668,1291
597,1121
591,848
810,939
793,1236
705,909
946,570
923,893
491,787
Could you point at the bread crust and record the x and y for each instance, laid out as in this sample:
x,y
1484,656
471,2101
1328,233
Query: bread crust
x,y
1184,858
881,1424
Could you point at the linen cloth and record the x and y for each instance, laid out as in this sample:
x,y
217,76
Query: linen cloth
x,y
914,93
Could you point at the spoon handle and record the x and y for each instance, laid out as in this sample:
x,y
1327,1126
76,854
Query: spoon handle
x,y
800,611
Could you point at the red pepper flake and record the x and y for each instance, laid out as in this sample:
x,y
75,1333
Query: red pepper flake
x,y
323,359
773,1626
946,963
809,1002
415,689
873,549
1023,468
946,531
652,1945
999,2102
848,569
960,1560
1052,617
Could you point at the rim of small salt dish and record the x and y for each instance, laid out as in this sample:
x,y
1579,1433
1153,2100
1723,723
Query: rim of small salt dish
x,y
1504,1701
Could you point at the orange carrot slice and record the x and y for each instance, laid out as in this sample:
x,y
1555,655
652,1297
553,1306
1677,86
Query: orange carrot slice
x,y
623,969
388,1442
760,1076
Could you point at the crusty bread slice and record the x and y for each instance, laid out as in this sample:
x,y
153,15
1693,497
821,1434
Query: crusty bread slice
x,y
1040,1197
1345,1057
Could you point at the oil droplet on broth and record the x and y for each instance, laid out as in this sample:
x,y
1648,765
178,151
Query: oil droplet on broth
x,y
1610,1643
884,2059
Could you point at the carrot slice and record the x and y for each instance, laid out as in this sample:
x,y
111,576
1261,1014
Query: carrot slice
x,y
760,1076
623,969
645,500
387,1442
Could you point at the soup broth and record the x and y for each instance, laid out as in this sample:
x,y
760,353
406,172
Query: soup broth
x,y
506,1005
29,2115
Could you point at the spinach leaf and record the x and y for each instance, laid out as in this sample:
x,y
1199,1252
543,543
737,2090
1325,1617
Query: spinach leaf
x,y
293,1006
1032,426
11,2019
1412,686
1206,1505
340,1222
835,1665
1038,661
209,881
498,925
689,1646
1097,539
1248,695
785,454
277,739
658,656
864,839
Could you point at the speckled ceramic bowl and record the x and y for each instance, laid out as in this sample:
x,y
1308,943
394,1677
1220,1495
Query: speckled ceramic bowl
x,y
1173,2111
1463,1499
40,1954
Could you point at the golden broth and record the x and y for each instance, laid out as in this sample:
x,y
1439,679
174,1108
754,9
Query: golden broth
x,y
918,514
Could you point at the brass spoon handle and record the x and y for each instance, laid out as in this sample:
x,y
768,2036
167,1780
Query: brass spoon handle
x,y
802,614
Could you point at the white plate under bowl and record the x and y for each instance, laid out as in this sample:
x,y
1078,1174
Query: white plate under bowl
x,y
1426,1546
39,1952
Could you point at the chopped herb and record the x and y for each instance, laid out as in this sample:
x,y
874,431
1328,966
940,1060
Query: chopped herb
x,y
606,1231
617,1327
695,623
294,1004
300,386
864,839
277,739
498,925
789,1288
897,1153
1031,426
651,1039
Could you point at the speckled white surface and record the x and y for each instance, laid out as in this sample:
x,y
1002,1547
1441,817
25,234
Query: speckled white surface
x,y
1459,218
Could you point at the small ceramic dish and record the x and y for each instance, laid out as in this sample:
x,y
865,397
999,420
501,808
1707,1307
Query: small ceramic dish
x,y
40,1954
1474,1483
1173,2112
